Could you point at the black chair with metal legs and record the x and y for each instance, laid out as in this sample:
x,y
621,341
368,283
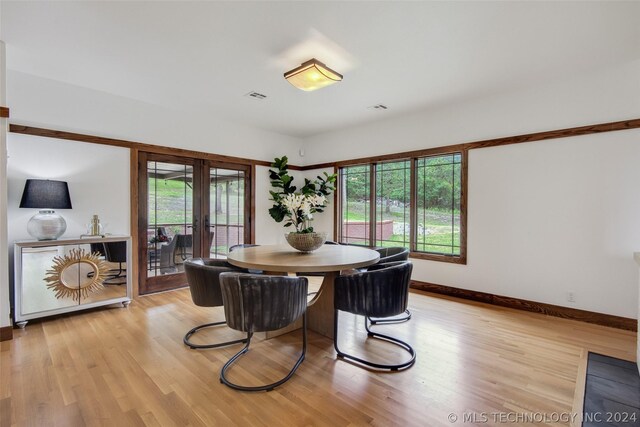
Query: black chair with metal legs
x,y
258,303
203,276
242,246
116,252
391,254
382,291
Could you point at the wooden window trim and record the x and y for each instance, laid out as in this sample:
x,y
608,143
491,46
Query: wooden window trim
x,y
455,259
414,253
440,258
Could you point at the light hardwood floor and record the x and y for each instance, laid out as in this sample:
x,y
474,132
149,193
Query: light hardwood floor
x,y
128,366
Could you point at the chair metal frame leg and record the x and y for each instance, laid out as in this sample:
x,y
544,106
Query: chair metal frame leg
x,y
201,346
267,387
391,320
115,273
370,333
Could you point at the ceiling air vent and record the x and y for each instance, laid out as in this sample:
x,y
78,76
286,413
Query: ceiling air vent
x,y
255,95
379,107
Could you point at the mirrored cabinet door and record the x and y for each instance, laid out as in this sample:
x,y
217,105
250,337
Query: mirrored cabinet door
x,y
36,296
67,275
114,274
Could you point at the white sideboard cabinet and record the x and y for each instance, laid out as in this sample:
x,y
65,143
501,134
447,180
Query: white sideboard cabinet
x,y
60,276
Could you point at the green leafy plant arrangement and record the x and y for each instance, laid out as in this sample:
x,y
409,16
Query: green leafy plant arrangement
x,y
297,207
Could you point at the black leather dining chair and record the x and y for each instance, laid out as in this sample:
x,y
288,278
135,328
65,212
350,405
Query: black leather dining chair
x,y
243,246
203,277
116,252
260,303
381,291
391,254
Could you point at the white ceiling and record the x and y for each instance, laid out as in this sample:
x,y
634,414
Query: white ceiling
x,y
407,55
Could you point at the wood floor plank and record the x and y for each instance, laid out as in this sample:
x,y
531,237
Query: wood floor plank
x,y
129,367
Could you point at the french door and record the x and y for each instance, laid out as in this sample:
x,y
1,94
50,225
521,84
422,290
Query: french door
x,y
187,207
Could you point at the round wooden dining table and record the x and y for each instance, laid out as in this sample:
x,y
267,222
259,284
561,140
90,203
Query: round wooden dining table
x,y
328,259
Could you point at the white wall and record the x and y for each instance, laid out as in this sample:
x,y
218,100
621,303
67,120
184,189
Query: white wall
x,y
4,255
321,221
544,218
597,97
50,104
551,217
270,232
98,178
267,230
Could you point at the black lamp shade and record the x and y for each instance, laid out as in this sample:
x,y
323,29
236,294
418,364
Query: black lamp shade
x,y
43,193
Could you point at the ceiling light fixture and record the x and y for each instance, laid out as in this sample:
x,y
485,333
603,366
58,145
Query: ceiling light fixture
x,y
312,75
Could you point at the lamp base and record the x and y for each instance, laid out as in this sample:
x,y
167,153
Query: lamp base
x,y
46,225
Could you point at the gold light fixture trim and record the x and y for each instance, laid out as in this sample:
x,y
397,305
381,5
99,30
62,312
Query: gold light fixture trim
x,y
312,75
76,274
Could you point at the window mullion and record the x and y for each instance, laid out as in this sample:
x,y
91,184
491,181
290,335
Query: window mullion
x,y
372,204
413,206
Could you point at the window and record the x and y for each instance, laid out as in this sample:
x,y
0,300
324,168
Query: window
x,y
355,193
438,193
393,189
417,203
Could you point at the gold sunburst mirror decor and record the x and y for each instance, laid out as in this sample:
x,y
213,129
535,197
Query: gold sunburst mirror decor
x,y
76,274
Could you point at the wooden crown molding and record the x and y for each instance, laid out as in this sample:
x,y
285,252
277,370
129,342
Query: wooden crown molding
x,y
508,140
149,148
533,306
518,139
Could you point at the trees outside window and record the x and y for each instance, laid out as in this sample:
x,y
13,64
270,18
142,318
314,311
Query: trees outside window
x,y
417,203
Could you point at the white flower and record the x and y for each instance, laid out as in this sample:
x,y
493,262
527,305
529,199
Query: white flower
x,y
319,200
300,208
292,202
305,207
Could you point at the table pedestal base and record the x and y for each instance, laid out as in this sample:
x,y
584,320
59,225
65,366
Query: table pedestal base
x,y
320,308
319,311
272,334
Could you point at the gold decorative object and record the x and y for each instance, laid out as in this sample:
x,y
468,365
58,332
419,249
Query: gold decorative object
x,y
76,274
95,228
